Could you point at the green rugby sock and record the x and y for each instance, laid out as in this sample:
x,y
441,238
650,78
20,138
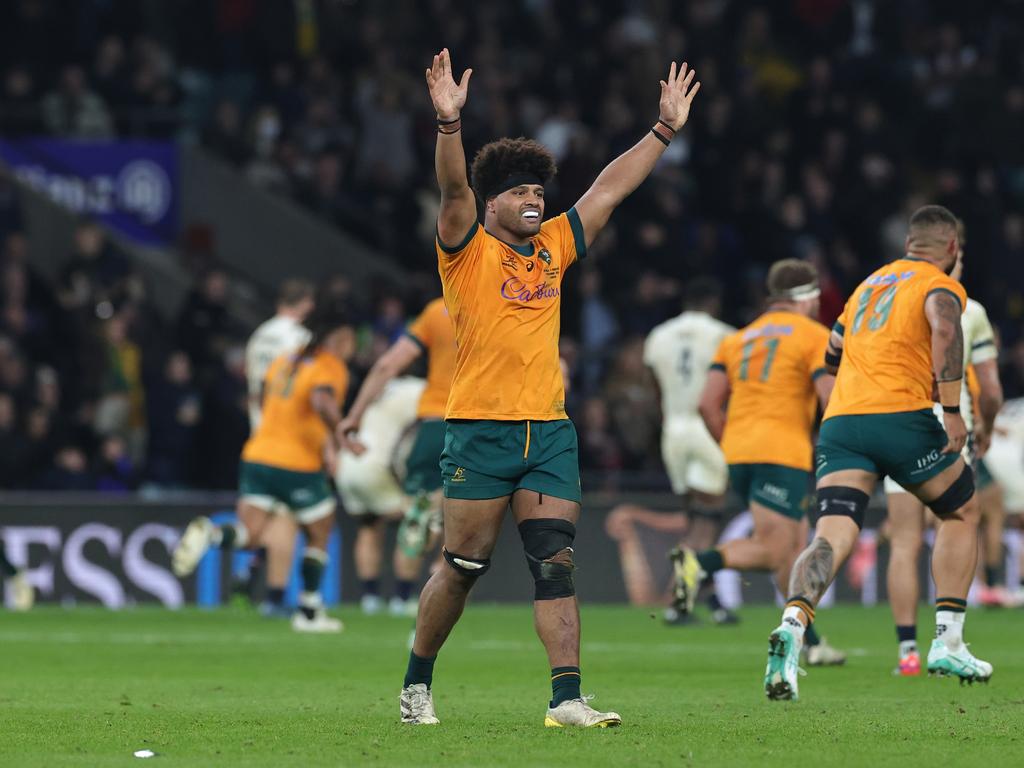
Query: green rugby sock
x,y
811,636
420,670
711,561
565,684
7,568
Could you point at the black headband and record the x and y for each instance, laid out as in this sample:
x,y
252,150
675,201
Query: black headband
x,y
515,180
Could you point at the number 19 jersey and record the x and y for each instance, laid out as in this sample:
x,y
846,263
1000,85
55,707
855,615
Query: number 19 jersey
x,y
772,365
887,354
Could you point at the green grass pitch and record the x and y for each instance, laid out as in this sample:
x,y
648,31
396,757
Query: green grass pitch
x,y
86,687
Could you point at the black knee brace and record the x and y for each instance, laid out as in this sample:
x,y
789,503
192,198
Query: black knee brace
x,y
847,502
471,568
548,546
954,497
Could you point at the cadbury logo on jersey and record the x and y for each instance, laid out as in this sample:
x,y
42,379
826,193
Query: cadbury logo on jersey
x,y
514,289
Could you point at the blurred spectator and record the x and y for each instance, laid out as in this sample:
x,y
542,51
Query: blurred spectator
x,y
203,322
175,410
74,111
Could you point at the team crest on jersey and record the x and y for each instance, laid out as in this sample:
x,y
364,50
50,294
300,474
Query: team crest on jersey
x,y
545,256
509,261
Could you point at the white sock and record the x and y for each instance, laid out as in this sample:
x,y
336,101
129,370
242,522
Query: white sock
x,y
791,618
949,628
908,646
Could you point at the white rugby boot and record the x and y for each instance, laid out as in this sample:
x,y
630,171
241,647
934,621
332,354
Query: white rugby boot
x,y
823,655
23,595
579,714
194,542
780,676
321,623
961,663
416,704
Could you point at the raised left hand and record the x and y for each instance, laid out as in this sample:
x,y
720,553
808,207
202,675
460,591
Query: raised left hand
x,y
676,95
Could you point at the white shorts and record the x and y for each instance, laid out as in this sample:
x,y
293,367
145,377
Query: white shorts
x,y
305,515
692,457
368,486
1005,462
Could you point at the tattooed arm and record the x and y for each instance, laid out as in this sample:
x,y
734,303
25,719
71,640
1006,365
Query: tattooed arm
x,y
943,309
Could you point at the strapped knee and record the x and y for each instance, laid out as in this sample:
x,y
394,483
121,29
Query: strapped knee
x,y
958,494
547,543
845,502
470,567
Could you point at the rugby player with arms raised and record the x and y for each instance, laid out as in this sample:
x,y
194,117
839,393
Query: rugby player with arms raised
x,y
508,439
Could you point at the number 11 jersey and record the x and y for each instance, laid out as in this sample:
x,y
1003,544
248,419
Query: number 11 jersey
x,y
772,365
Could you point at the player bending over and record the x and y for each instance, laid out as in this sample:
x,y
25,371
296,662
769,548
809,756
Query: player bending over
x,y
370,493
282,484
760,402
432,332
508,439
899,333
907,513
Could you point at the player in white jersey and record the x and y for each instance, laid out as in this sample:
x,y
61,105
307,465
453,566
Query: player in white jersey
x,y
906,512
370,491
679,353
281,334
277,336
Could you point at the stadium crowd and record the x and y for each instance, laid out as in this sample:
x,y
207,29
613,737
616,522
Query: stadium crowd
x,y
800,147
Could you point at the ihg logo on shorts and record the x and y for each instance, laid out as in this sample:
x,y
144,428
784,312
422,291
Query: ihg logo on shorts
x,y
928,459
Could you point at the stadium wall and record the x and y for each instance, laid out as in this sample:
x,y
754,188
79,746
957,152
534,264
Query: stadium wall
x,y
116,552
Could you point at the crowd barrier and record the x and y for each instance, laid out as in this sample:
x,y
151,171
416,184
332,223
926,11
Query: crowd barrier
x,y
115,551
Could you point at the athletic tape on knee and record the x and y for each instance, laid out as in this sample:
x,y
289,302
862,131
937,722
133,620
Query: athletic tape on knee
x,y
547,543
958,494
842,501
469,567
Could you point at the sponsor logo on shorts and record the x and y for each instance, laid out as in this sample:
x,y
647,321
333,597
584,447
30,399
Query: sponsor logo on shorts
x,y
459,475
776,492
927,461
301,496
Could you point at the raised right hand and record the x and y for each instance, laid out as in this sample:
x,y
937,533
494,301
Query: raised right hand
x,y
448,96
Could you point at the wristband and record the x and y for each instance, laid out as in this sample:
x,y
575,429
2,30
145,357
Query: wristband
x,y
951,409
667,126
448,127
659,132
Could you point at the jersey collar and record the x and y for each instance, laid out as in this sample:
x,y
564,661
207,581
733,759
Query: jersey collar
x,y
522,250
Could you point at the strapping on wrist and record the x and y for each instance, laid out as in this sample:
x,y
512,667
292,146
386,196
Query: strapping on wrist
x,y
448,127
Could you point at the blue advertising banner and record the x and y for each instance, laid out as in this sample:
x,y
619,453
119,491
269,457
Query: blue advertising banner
x,y
132,186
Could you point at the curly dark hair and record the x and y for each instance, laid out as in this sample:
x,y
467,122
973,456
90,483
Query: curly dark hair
x,y
500,159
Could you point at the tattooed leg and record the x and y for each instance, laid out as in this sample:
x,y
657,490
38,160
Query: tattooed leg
x,y
819,563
